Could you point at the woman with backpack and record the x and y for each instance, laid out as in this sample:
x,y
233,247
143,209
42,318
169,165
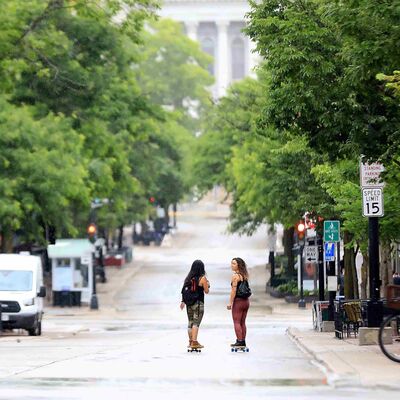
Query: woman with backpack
x,y
239,300
194,287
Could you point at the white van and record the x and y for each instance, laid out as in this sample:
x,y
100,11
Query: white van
x,y
21,292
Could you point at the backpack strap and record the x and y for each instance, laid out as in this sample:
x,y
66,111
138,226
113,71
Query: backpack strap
x,y
193,285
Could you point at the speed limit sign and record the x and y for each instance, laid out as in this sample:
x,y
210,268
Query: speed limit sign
x,y
372,202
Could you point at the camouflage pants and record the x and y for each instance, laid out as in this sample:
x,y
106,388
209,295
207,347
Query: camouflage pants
x,y
195,314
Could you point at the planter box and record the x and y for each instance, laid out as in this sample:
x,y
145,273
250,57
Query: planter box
x,y
115,260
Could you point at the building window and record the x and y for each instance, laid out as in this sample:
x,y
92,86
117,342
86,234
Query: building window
x,y
208,46
238,59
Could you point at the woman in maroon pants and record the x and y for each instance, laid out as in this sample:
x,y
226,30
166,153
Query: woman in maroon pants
x,y
239,306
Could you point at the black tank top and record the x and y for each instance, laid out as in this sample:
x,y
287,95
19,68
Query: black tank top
x,y
243,279
200,290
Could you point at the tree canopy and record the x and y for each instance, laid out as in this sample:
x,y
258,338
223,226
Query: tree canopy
x,y
290,142
80,119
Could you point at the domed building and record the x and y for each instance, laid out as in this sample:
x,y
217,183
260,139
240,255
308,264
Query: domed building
x,y
217,25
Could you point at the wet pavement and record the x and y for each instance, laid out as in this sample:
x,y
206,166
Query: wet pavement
x,y
136,344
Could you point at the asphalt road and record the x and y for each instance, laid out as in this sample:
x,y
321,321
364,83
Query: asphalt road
x,y
137,345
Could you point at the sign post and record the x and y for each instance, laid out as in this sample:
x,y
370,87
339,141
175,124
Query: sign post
x,y
372,202
331,236
302,302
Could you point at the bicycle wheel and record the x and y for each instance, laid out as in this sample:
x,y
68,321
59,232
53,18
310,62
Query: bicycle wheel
x,y
391,349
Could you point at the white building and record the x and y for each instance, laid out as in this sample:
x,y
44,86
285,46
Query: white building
x,y
217,25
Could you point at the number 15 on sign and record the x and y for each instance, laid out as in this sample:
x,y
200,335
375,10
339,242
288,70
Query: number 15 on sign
x,y
372,202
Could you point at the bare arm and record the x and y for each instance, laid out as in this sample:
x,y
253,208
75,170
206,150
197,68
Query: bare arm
x,y
204,284
234,283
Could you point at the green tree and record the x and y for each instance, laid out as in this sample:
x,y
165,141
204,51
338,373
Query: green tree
x,y
41,176
323,58
173,74
72,58
173,71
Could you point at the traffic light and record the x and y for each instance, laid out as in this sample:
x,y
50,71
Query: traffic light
x,y
92,230
152,200
301,231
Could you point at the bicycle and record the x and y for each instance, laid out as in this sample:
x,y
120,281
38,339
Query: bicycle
x,y
390,346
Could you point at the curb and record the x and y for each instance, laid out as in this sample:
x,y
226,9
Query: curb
x,y
334,378
321,363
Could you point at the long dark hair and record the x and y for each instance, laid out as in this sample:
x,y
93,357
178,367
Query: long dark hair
x,y
242,267
196,271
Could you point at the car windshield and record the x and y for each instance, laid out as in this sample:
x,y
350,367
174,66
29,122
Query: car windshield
x,y
15,281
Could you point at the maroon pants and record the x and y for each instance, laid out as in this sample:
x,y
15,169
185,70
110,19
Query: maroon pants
x,y
239,314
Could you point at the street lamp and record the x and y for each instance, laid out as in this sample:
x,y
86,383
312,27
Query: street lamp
x,y
94,304
301,231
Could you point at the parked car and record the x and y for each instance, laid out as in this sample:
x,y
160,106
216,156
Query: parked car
x,y
21,292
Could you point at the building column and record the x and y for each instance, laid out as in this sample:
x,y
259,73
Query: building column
x,y
191,29
222,58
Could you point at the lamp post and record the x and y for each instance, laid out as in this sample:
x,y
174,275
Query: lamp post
x,y
302,302
301,232
94,304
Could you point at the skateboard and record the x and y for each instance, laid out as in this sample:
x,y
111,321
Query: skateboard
x,y
237,349
193,349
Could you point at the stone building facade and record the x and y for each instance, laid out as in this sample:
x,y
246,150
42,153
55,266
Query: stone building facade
x,y
217,25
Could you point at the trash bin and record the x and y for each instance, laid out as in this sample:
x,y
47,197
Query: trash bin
x,y
127,251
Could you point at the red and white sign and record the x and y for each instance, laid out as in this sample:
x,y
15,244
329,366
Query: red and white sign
x,y
370,175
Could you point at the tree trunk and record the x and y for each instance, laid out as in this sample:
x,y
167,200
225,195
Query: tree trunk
x,y
52,234
143,227
355,277
175,210
6,241
348,267
120,236
166,208
288,243
364,277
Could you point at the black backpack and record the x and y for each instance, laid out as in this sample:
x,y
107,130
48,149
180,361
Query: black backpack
x,y
190,292
243,290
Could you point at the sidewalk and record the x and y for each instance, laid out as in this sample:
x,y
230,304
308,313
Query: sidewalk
x,y
106,293
345,362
